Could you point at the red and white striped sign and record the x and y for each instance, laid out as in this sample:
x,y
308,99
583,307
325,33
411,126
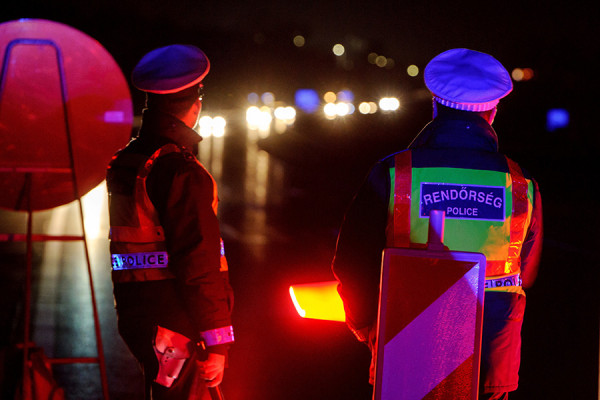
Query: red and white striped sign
x,y
429,327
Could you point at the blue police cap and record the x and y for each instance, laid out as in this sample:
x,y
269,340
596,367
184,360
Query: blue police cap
x,y
467,80
170,69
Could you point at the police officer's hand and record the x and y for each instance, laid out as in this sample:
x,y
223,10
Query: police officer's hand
x,y
212,369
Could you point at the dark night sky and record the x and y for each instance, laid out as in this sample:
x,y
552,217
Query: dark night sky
x,y
551,37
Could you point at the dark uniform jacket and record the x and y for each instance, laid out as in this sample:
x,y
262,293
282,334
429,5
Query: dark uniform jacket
x,y
199,298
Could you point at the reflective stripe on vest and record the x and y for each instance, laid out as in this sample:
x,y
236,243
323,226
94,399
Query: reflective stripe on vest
x,y
399,224
151,259
402,198
510,280
518,218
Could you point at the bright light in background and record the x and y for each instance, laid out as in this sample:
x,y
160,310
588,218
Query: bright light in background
x,y
338,49
299,41
268,98
329,97
94,205
330,110
253,98
219,126
318,300
345,95
389,104
307,100
211,126
284,117
371,58
412,70
342,109
253,115
205,126
380,61
95,214
339,109
285,114
338,105
258,118
522,74
367,107
557,118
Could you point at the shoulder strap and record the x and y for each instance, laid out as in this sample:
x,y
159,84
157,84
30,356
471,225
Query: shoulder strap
x,y
520,208
402,196
145,208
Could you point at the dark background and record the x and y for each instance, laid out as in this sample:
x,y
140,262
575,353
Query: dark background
x,y
250,47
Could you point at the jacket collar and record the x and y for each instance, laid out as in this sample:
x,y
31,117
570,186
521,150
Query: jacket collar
x,y
464,131
157,125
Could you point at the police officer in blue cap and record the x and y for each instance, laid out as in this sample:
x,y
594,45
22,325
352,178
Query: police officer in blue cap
x,y
458,147
169,271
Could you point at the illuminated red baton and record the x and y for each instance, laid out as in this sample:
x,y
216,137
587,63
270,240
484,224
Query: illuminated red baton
x,y
318,300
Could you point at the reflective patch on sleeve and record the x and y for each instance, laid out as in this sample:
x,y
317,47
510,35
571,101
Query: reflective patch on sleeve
x,y
511,280
218,336
473,202
156,259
